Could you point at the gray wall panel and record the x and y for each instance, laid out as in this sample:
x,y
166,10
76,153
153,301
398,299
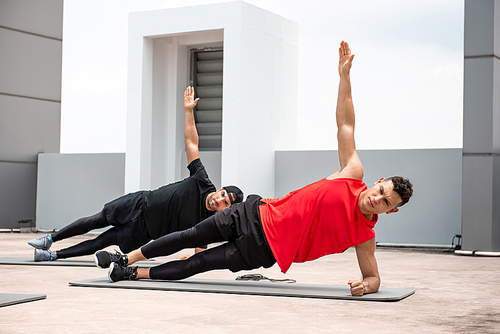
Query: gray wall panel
x,y
479,23
42,17
30,66
480,210
478,102
30,94
29,127
18,193
495,221
477,208
433,215
496,104
496,28
71,186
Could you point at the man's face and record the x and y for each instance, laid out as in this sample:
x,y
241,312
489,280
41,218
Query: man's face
x,y
218,200
380,198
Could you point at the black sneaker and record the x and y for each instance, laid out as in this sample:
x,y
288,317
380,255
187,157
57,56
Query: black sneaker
x,y
104,259
117,272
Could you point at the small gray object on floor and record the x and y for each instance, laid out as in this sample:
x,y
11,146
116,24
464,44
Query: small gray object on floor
x,y
7,299
251,288
63,262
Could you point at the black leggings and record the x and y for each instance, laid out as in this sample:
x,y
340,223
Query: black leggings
x,y
204,233
82,226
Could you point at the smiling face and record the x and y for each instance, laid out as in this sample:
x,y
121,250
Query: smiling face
x,y
379,199
218,200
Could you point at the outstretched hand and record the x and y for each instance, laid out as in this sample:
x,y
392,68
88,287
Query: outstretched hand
x,y
345,58
189,101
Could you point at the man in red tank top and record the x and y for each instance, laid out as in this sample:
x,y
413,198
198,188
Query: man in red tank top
x,y
339,211
325,217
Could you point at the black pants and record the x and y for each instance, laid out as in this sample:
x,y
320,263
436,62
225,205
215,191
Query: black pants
x,y
205,232
245,249
82,226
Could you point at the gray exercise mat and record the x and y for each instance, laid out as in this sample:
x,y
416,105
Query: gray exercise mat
x,y
7,299
251,288
63,262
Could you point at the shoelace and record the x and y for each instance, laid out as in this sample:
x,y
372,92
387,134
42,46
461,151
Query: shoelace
x,y
115,256
130,273
259,277
46,242
122,259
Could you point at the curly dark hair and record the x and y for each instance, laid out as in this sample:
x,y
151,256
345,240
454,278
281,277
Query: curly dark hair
x,y
403,187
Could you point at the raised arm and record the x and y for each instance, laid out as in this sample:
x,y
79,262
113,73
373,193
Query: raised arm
x,y
190,133
367,262
350,165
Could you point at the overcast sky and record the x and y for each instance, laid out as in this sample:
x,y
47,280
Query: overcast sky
x,y
407,75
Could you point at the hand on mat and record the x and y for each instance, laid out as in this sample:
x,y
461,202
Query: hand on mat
x,y
189,101
185,257
357,287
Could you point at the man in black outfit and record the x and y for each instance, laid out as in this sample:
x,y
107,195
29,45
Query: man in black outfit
x,y
142,216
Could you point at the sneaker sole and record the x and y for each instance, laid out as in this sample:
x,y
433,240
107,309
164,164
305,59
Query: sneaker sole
x,y
96,260
110,270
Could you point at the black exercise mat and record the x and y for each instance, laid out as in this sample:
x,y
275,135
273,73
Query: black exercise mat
x,y
64,262
251,288
7,299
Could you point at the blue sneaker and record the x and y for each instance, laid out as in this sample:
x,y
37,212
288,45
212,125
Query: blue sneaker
x,y
41,242
44,255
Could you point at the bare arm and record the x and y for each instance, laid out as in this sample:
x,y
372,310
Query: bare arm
x,y
367,262
190,133
350,165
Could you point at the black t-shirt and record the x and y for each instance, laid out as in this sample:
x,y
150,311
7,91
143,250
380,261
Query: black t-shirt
x,y
180,205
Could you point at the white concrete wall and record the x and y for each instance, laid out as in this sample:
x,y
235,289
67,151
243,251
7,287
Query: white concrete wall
x,y
260,85
71,186
30,99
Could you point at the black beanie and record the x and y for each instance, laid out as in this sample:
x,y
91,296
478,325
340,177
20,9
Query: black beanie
x,y
238,194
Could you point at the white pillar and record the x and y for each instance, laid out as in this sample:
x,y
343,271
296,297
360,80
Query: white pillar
x,y
259,94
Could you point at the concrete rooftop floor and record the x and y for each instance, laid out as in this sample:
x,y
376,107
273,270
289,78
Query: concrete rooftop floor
x,y
454,294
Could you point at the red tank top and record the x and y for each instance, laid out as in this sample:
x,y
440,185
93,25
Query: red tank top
x,y
319,219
